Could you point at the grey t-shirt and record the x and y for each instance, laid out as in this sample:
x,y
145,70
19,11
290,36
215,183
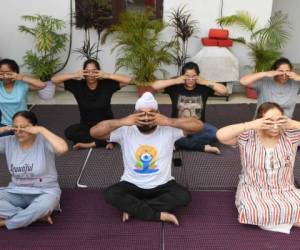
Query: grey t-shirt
x,y
285,95
33,170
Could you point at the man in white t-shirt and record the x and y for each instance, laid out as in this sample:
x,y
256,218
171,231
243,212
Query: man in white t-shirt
x,y
147,189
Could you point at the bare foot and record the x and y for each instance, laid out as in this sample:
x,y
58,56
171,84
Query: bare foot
x,y
164,216
125,217
211,149
82,145
2,223
47,219
109,146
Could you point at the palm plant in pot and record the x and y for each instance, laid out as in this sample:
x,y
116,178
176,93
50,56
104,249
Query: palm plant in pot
x,y
265,43
140,50
44,61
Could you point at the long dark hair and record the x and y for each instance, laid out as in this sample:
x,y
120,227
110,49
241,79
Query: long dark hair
x,y
265,107
28,115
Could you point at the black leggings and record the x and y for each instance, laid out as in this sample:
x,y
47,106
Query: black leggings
x,y
81,133
146,204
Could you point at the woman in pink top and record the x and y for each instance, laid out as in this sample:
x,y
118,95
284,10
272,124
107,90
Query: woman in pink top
x,y
266,195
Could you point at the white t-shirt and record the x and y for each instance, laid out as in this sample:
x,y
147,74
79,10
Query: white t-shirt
x,y
147,158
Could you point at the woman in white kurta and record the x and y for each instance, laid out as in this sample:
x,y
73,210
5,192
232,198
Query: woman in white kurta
x,y
33,192
266,195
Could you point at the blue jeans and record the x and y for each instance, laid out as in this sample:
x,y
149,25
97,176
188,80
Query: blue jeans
x,y
198,140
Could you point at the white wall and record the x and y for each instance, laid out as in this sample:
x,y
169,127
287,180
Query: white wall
x,y
207,11
13,44
292,8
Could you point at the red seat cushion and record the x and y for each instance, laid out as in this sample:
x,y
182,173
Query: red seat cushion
x,y
218,33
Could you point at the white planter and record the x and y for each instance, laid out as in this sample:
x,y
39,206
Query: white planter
x,y
48,92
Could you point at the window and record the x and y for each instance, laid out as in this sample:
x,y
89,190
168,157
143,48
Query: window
x,y
95,13
156,5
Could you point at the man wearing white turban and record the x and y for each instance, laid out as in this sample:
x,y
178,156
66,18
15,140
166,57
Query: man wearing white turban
x,y
147,189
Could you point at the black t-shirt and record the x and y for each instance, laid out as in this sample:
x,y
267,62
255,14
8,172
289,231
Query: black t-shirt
x,y
94,105
189,103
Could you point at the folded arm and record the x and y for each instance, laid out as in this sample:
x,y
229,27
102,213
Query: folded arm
x,y
218,88
162,84
59,80
250,79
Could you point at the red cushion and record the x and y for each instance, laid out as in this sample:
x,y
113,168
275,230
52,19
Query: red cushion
x,y
218,34
225,43
209,42
215,42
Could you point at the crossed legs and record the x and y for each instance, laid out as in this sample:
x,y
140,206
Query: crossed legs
x,y
148,204
20,210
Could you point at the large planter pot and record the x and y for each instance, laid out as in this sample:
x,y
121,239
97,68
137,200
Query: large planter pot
x,y
142,89
251,93
48,92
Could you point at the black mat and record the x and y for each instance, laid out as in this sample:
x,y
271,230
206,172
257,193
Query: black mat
x,y
68,167
4,174
212,172
56,117
200,170
103,168
223,115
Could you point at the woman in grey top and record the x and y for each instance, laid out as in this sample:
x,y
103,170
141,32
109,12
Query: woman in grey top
x,y
280,85
33,192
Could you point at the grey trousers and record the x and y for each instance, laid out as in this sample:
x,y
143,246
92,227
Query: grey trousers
x,y
20,210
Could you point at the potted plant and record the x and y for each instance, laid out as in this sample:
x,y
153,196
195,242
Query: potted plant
x,y
92,14
43,61
140,49
184,27
265,43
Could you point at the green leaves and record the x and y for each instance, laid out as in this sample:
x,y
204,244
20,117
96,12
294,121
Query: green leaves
x,y
241,18
184,27
48,43
265,43
41,66
275,33
138,45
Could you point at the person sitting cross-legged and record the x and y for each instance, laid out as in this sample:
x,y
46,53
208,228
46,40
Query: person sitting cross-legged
x,y
93,90
266,195
147,190
189,93
33,192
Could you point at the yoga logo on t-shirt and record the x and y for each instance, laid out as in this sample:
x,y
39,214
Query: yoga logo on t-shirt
x,y
146,157
189,106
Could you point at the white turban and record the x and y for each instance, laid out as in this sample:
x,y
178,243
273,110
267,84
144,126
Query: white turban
x,y
146,101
